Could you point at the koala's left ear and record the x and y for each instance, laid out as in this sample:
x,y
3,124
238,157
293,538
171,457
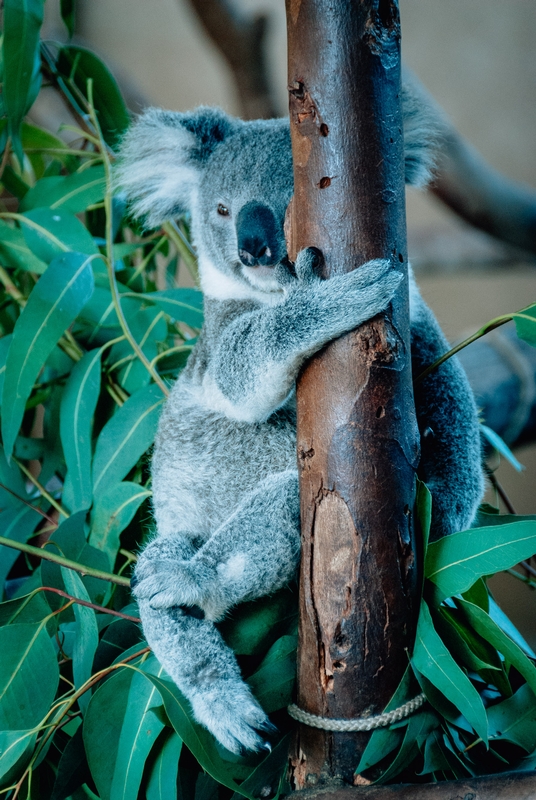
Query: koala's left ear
x,y
420,135
161,159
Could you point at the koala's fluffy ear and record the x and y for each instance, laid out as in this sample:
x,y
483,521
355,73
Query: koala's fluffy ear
x,y
420,135
161,159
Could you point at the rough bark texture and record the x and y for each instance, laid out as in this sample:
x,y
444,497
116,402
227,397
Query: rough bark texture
x,y
240,39
357,436
509,786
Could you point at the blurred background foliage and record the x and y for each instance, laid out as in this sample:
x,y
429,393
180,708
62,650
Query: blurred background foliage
x,y
97,318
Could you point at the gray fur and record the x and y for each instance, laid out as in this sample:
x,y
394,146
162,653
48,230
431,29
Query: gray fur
x,y
224,466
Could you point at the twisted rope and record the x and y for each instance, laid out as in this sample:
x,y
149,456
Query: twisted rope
x,y
361,724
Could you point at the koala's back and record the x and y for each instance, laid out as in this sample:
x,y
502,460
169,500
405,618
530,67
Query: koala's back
x,y
205,463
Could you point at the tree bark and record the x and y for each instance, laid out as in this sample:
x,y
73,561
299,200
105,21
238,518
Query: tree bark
x,y
357,436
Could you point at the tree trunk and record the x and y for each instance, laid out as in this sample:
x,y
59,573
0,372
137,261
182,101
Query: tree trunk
x,y
357,437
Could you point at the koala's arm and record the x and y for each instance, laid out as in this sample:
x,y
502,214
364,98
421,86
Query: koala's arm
x,y
258,355
451,457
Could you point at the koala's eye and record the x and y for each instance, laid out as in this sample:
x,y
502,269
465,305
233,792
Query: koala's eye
x,y
223,211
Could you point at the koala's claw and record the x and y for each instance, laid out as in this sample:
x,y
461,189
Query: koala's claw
x,y
235,718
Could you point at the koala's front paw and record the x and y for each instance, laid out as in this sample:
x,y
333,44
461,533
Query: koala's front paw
x,y
233,716
368,289
164,578
305,270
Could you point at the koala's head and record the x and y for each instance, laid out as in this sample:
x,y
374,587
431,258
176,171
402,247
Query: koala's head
x,y
235,179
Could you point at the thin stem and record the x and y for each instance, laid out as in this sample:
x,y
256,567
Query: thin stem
x,y
183,246
489,326
522,578
109,251
141,266
181,348
41,489
86,603
64,562
11,289
27,503
501,492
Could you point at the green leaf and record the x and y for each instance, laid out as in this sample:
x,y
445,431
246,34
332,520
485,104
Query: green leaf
x,y
182,305
69,540
458,639
505,624
419,728
16,523
119,731
196,738
478,594
525,321
86,635
501,447
27,653
435,759
52,306
126,437
489,630
162,780
50,233
423,503
515,719
5,343
273,683
384,740
78,405
267,780
148,327
35,138
455,562
22,22
14,252
72,193
15,751
72,769
76,64
29,608
67,14
114,509
252,627
432,659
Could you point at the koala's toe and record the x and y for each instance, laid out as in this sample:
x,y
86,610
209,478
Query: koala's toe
x,y
308,264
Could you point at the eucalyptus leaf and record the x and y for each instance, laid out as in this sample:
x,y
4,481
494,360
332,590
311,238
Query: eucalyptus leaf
x,y
501,447
182,305
420,725
21,68
432,659
455,562
273,682
86,634
28,608
14,252
384,740
489,630
163,775
78,403
27,652
48,233
148,327
126,437
268,778
15,751
114,509
67,8
52,306
197,739
16,523
515,719
76,65
72,193
525,321
252,627
118,749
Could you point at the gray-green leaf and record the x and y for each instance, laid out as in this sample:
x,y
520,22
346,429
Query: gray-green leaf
x,y
53,305
86,634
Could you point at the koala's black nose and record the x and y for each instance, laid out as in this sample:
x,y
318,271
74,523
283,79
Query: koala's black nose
x,y
258,235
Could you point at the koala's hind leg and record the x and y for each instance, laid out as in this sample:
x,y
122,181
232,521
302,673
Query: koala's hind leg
x,y
253,553
195,656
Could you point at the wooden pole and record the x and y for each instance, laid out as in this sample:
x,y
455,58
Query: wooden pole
x,y
357,437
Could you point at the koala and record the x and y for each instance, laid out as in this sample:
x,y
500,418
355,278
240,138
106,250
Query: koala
x,y
224,466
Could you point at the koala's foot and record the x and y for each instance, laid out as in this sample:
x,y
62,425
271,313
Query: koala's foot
x,y
164,576
233,716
